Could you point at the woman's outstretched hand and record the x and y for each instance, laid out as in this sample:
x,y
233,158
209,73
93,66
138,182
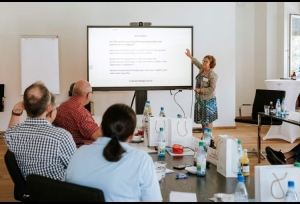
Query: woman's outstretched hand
x,y
188,53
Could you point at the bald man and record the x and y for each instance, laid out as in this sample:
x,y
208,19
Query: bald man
x,y
75,118
39,147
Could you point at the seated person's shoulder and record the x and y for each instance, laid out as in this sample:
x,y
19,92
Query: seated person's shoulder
x,y
60,131
140,154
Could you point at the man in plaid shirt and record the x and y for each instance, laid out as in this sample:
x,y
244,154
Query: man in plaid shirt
x,y
39,147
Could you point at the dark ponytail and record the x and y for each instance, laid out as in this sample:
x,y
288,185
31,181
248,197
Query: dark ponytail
x,y
118,123
113,150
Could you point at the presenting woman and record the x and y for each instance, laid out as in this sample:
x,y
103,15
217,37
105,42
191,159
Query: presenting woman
x,y
122,172
205,110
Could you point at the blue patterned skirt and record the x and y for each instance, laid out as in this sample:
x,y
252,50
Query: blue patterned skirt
x,y
205,111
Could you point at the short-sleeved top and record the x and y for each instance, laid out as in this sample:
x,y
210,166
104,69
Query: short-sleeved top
x,y
75,118
131,179
40,148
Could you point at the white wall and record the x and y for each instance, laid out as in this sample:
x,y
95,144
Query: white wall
x,y
261,46
244,49
214,33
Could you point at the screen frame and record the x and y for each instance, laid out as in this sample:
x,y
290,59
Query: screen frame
x,y
141,88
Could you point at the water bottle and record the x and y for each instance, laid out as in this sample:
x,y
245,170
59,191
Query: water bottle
x,y
239,157
272,108
278,108
162,112
298,74
209,136
212,141
204,133
291,194
209,143
145,118
161,143
283,107
240,193
147,103
149,109
206,138
201,160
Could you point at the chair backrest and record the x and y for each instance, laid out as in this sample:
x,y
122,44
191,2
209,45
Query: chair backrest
x,y
16,175
43,189
263,97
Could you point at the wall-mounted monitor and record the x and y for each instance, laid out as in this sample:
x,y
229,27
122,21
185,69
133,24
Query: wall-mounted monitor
x,y
122,58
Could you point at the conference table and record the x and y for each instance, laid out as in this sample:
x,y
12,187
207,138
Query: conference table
x,y
204,187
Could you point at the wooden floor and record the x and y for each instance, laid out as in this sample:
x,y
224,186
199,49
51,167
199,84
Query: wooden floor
x,y
246,133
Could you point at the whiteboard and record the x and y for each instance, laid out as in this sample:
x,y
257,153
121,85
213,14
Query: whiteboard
x,y
39,62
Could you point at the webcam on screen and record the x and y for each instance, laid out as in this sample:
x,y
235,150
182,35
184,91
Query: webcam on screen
x,y
140,24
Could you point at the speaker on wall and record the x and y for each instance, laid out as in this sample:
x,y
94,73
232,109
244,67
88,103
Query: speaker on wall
x,y
1,97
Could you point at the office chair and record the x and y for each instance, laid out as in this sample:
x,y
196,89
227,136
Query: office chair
x,y
43,189
262,97
20,185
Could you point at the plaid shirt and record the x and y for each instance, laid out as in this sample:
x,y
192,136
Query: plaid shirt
x,y
73,117
40,148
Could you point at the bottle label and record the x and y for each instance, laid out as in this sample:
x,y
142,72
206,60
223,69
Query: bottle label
x,y
246,168
201,167
161,149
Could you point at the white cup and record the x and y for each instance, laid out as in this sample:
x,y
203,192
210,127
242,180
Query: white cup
x,y
267,109
161,166
136,138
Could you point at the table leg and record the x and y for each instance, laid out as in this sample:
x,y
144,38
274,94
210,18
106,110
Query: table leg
x,y
259,137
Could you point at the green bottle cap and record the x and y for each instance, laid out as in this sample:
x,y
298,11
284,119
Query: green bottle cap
x,y
296,164
161,129
239,142
201,143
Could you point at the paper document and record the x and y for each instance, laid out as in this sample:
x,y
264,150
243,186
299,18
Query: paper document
x,y
186,151
182,197
168,171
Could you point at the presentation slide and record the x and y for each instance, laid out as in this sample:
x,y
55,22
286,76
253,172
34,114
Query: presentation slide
x,y
152,57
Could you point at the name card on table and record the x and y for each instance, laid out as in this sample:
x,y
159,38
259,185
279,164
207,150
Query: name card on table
x,y
294,116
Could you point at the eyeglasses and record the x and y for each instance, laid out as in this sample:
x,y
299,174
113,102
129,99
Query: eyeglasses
x,y
205,61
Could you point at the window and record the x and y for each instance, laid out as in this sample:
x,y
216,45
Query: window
x,y
294,43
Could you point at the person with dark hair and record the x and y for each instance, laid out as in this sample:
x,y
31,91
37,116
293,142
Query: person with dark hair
x,y
39,147
123,173
73,117
205,108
